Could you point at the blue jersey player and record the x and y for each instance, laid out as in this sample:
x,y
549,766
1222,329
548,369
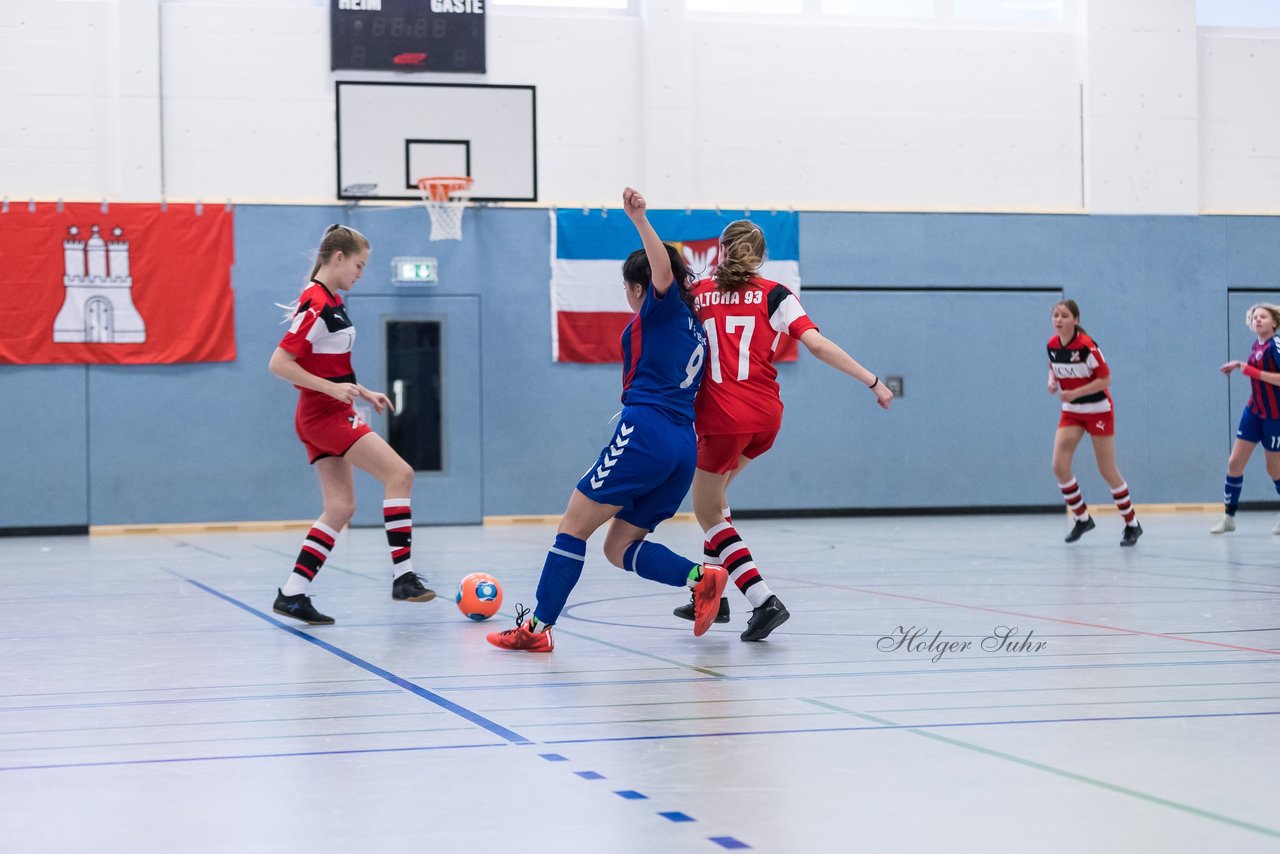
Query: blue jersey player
x,y
1260,421
644,472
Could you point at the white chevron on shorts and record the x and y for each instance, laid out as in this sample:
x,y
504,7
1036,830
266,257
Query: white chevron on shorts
x,y
611,457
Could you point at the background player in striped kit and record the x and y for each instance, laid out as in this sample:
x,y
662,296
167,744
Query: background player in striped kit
x,y
1260,421
641,477
1080,377
739,407
315,355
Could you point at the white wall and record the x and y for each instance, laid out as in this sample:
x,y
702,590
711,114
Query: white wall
x,y
806,113
248,102
79,103
881,118
1142,107
1239,122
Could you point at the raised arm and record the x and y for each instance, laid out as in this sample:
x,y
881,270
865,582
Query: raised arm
x,y
833,354
659,263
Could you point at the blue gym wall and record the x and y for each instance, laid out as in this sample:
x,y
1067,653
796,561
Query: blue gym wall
x,y
956,303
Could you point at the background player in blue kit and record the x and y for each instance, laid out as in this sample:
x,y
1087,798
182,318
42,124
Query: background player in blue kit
x,y
1260,421
644,473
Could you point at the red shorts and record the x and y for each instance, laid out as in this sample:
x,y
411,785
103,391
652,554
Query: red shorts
x,y
327,427
1094,423
718,452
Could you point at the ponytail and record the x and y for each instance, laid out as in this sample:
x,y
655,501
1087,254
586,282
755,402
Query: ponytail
x,y
741,254
337,238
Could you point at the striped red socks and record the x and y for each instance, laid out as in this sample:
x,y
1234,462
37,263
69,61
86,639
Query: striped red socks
x,y
315,551
1075,501
1121,496
723,546
398,520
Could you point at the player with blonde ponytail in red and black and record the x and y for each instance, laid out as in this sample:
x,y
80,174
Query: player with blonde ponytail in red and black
x,y
315,355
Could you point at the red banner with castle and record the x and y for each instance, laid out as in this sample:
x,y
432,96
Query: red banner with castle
x,y
119,284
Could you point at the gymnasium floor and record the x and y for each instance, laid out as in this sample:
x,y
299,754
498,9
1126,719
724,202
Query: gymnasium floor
x,y
151,702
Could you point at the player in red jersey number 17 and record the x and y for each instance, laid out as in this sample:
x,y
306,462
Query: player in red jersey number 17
x,y
739,409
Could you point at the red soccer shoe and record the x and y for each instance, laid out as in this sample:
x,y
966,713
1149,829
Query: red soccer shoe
x,y
706,598
521,637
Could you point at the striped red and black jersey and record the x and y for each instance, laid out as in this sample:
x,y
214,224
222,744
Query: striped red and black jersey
x,y
1078,363
1264,401
321,335
744,327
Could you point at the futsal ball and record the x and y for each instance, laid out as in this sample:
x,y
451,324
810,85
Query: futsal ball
x,y
479,596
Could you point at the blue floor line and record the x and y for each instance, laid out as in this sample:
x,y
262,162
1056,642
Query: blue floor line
x,y
186,700
728,842
1118,718
860,674
555,757
460,711
179,759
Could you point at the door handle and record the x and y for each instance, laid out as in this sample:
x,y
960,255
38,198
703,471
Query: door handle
x,y
397,394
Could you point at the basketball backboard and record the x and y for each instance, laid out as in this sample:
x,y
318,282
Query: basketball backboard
x,y
392,134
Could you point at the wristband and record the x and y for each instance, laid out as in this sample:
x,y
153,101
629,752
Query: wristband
x,y
1251,372
876,383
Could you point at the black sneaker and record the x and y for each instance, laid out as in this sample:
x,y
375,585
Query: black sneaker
x,y
1131,534
300,608
1080,529
765,619
685,612
409,588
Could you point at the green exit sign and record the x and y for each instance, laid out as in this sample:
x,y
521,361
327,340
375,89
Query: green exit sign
x,y
414,271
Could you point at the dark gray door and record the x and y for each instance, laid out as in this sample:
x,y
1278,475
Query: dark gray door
x,y
424,353
414,382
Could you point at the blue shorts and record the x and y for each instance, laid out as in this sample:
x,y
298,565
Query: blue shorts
x,y
646,469
1255,429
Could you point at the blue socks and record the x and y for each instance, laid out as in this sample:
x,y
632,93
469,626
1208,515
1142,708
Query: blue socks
x,y
1232,497
564,563
560,573
658,563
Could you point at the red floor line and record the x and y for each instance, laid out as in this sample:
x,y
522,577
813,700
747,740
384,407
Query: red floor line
x,y
1032,616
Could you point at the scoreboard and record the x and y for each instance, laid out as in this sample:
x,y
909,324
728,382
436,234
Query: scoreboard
x,y
407,35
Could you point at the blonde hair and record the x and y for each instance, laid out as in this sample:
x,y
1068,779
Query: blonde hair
x,y
338,238
1273,310
742,253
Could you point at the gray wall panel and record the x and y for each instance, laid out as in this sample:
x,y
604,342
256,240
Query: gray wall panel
x,y
44,434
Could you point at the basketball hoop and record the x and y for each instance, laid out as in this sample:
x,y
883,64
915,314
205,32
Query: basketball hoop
x,y
446,213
